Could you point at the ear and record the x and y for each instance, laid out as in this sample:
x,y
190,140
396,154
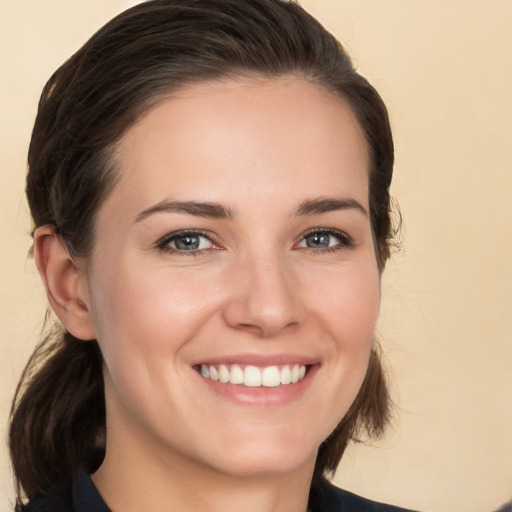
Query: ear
x,y
65,283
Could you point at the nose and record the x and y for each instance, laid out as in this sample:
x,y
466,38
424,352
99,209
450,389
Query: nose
x,y
264,297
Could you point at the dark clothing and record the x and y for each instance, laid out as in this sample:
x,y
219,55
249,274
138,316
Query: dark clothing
x,y
84,497
325,497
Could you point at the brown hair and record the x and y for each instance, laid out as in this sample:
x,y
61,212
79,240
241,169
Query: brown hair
x,y
58,415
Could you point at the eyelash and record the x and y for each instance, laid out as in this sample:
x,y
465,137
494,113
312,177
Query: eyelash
x,y
163,243
345,241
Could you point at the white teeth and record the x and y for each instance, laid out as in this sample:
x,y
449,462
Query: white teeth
x,y
237,375
271,377
223,373
295,374
252,376
214,374
286,375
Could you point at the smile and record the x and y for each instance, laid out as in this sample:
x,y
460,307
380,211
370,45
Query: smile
x,y
252,376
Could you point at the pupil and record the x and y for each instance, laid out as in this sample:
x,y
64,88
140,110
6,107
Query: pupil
x,y
187,243
316,240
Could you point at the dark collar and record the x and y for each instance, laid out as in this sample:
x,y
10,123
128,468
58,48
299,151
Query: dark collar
x,y
86,497
324,497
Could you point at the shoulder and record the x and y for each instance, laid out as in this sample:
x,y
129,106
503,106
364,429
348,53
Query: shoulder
x,y
79,496
325,497
57,501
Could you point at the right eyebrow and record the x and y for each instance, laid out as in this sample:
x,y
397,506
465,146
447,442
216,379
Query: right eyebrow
x,y
329,204
199,209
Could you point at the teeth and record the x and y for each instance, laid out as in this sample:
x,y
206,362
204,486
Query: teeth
x,y
237,375
223,373
214,374
271,377
286,375
295,374
252,376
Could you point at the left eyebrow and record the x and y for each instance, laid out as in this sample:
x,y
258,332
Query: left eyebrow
x,y
212,210
329,204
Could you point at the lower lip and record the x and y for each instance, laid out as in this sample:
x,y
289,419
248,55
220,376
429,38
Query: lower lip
x,y
262,395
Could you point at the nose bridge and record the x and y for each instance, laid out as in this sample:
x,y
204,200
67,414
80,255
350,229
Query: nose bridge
x,y
265,297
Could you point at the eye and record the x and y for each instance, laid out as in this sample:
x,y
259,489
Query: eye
x,y
322,239
185,241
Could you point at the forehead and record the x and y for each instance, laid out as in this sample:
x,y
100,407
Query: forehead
x,y
236,137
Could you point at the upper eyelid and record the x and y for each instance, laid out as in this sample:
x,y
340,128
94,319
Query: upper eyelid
x,y
164,240
323,230
332,231
345,240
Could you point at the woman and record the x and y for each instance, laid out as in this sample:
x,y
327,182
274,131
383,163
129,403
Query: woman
x,y
209,183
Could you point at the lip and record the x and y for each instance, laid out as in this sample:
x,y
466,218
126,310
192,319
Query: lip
x,y
260,396
259,360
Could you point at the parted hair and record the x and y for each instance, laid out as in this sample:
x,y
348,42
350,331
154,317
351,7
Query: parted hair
x,y
139,57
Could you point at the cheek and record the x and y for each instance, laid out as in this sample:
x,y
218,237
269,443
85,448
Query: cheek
x,y
346,307
142,312
143,319
349,304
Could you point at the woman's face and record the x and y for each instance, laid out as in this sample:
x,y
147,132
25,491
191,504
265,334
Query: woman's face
x,y
235,247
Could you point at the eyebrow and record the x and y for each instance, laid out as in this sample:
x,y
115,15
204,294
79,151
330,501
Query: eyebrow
x,y
218,211
329,204
209,210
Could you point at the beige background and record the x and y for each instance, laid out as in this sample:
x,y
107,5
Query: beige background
x,y
444,69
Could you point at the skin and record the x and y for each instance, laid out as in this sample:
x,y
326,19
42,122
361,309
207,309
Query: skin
x,y
254,291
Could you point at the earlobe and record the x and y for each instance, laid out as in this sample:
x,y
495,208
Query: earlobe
x,y
65,283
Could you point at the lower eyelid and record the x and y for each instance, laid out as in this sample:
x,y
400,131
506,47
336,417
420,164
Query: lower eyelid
x,y
165,241
345,240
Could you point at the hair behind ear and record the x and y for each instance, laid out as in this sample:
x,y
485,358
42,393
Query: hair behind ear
x,y
58,413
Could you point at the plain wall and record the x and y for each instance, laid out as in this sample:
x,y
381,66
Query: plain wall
x,y
444,70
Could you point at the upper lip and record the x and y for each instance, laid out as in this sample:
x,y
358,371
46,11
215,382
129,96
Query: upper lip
x,y
260,360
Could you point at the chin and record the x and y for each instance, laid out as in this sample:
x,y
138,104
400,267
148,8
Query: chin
x,y
265,457
271,465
